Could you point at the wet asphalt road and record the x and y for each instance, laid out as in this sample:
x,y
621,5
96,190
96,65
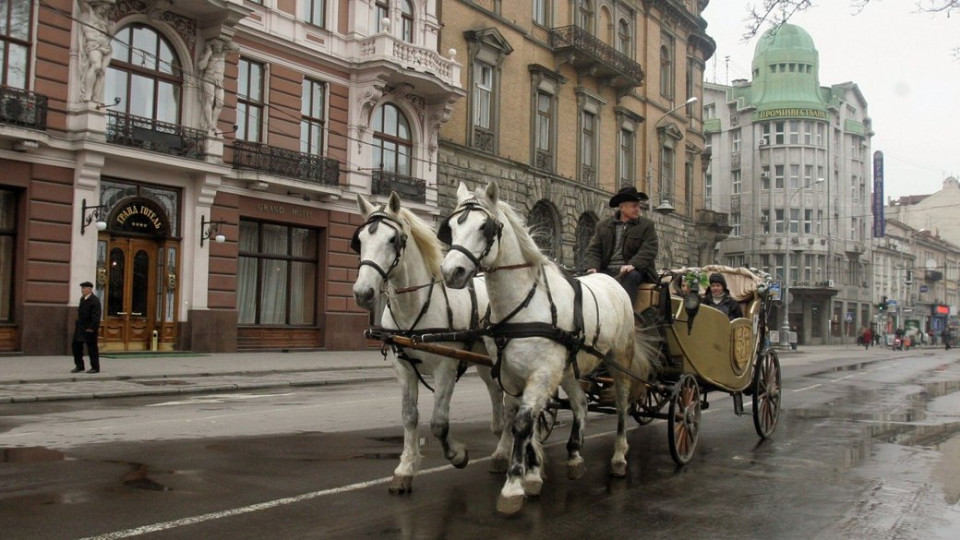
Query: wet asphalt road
x,y
867,447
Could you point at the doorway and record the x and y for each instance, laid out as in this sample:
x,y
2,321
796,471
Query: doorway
x,y
130,290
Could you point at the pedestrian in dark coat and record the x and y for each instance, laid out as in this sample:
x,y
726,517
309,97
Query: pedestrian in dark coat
x,y
946,338
719,297
87,327
625,245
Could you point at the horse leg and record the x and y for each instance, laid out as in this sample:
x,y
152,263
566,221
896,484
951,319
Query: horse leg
x,y
512,493
578,405
500,460
618,463
410,457
453,450
496,399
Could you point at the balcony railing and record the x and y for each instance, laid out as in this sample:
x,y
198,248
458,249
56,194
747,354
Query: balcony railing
x,y
283,162
408,187
23,108
149,134
601,58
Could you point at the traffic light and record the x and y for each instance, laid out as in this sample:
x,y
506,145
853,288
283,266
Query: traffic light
x,y
882,306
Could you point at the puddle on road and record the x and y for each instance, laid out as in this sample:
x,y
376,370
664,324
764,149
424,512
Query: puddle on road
x,y
138,478
33,454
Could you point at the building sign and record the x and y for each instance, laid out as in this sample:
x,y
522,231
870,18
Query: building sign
x,y
774,292
139,215
792,112
879,223
940,309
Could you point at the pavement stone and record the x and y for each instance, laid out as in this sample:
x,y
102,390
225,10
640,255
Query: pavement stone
x,y
48,378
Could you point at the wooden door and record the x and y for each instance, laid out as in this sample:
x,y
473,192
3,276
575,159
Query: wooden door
x,y
130,289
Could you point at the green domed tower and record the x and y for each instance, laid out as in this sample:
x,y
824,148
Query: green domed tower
x,y
786,81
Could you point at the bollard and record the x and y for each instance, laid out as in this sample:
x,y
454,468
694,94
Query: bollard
x,y
153,341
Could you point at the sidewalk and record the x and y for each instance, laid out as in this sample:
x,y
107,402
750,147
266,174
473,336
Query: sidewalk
x,y
48,378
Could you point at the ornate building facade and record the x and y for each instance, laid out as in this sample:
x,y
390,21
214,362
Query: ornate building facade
x,y
569,100
199,161
790,163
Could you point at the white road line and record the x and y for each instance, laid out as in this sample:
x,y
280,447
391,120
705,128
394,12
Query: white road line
x,y
805,388
166,525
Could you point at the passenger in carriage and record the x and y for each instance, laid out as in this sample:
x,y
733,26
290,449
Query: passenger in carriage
x,y
719,297
625,245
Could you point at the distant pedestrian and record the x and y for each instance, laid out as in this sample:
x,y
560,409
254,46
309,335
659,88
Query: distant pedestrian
x,y
87,327
867,339
946,338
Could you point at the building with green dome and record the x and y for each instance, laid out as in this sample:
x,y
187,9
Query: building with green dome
x,y
790,165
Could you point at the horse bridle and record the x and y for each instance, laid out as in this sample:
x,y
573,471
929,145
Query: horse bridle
x,y
374,221
491,229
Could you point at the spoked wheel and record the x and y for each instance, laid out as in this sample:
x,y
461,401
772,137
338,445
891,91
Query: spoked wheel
x,y
766,393
683,421
546,421
644,408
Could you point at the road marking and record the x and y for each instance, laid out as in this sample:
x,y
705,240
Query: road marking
x,y
193,520
805,388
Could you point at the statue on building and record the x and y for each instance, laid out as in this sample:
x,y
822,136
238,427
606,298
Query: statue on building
x,y
211,66
95,48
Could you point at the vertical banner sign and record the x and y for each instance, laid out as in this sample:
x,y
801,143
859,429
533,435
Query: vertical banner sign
x,y
879,225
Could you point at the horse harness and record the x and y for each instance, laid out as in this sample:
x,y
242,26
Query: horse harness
x,y
503,330
381,217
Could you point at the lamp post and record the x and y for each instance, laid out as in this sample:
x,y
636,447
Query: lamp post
x,y
785,323
665,207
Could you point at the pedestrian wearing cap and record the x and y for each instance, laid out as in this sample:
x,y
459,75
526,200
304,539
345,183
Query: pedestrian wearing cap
x,y
625,244
719,297
87,327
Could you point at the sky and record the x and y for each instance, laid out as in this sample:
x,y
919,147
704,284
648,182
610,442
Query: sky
x,y
902,61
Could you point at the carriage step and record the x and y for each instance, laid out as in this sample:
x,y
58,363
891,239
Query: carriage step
x,y
738,403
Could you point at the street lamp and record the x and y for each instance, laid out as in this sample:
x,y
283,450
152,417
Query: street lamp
x,y
665,207
785,323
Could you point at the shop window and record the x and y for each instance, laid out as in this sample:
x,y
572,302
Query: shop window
x,y
8,241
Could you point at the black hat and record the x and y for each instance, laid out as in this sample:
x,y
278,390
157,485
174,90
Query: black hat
x,y
628,193
718,278
86,284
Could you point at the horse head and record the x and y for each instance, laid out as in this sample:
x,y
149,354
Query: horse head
x,y
380,242
473,232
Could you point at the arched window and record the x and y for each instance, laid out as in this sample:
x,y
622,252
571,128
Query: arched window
x,y
623,38
544,224
666,68
406,15
392,145
586,225
585,15
145,74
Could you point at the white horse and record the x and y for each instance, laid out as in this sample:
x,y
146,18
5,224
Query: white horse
x,y
532,318
400,257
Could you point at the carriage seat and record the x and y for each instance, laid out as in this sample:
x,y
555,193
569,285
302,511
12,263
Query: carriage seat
x,y
742,284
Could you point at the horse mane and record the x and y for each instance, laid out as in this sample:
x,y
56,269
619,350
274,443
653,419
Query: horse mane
x,y
528,248
426,239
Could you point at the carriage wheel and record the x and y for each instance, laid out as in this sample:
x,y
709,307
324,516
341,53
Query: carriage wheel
x,y
683,421
546,421
766,393
644,409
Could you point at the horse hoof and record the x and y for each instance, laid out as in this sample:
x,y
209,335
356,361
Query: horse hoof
x,y
499,465
401,484
618,470
509,505
532,486
575,470
461,461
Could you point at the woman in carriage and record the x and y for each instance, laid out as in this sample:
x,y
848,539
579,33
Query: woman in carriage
x,y
718,296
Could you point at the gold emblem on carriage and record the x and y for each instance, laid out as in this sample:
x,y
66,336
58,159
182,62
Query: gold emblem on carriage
x,y
740,350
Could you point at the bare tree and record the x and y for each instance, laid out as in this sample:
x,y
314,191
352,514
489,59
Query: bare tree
x,y
777,12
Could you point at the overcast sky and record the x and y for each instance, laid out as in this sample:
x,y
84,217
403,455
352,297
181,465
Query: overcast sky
x,y
901,60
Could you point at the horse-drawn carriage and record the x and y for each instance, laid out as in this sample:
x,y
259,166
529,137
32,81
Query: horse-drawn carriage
x,y
535,330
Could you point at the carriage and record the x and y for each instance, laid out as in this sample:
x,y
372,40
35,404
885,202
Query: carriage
x,y
543,331
701,351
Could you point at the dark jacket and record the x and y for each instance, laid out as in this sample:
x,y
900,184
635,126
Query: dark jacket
x,y
88,318
728,305
639,246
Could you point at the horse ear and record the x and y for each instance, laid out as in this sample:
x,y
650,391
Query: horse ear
x,y
365,207
493,193
394,203
463,193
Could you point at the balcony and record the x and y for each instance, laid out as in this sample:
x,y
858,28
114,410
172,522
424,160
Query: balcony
x,y
283,162
148,134
23,108
407,187
396,62
587,53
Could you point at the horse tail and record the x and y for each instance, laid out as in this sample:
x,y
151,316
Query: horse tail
x,y
646,355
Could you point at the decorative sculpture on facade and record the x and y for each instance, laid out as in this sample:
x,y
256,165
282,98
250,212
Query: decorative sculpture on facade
x,y
212,65
95,48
